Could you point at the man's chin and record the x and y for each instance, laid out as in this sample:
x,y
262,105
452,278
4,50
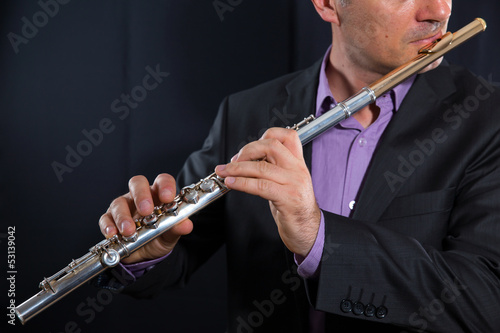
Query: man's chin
x,y
431,66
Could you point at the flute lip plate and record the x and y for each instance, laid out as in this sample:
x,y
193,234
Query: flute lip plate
x,y
438,44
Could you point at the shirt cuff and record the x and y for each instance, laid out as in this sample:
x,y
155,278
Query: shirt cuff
x,y
308,267
140,268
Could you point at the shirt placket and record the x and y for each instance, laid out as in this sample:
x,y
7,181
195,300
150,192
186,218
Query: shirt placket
x,y
360,153
353,167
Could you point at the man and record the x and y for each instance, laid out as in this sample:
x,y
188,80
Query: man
x,y
391,216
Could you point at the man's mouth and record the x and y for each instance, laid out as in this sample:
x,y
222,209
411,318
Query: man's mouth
x,y
428,40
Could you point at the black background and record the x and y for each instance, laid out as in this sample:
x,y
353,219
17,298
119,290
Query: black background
x,y
63,80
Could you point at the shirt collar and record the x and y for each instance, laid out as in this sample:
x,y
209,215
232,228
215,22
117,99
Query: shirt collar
x,y
325,100
324,97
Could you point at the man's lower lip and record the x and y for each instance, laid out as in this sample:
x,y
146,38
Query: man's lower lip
x,y
427,40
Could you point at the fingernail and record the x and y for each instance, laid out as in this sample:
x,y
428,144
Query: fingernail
x,y
122,226
144,206
220,168
230,180
235,157
109,231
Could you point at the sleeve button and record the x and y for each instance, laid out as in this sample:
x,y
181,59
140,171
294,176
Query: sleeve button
x,y
381,312
370,310
346,305
358,308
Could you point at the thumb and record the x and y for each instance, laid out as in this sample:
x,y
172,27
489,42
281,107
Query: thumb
x,y
172,236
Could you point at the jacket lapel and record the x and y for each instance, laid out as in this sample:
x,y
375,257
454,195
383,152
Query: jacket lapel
x,y
301,100
385,175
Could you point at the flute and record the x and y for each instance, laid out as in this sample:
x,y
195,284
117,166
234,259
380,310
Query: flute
x,y
195,197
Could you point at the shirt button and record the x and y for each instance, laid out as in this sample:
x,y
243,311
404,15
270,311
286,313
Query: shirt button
x,y
351,205
362,142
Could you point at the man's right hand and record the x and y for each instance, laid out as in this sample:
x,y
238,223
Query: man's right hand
x,y
141,200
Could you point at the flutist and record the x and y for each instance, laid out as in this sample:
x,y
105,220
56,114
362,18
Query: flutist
x,y
391,218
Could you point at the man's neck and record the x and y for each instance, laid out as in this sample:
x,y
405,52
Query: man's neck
x,y
345,80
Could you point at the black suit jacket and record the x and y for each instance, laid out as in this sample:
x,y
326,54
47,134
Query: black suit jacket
x,y
422,248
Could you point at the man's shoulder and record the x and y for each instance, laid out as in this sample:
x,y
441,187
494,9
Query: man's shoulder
x,y
467,81
458,83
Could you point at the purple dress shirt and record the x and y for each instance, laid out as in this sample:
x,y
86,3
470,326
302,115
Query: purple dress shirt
x,y
340,157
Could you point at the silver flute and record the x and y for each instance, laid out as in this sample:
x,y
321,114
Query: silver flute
x,y
195,197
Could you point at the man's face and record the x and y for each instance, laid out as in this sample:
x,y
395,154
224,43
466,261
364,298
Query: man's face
x,y
380,35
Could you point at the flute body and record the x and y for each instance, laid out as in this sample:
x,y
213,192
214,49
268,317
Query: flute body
x,y
195,197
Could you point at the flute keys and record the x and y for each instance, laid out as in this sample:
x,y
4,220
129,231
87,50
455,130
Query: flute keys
x,y
158,210
190,195
46,285
208,185
110,257
150,221
131,238
170,208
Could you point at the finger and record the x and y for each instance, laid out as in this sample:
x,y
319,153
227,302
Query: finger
x,y
121,216
183,228
161,245
254,169
288,138
271,150
107,225
264,188
164,186
141,193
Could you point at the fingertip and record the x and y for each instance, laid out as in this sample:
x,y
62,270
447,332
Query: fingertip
x,y
166,195
127,228
220,170
165,187
145,207
110,231
229,180
185,227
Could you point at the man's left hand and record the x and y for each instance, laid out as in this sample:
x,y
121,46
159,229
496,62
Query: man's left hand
x,y
274,169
